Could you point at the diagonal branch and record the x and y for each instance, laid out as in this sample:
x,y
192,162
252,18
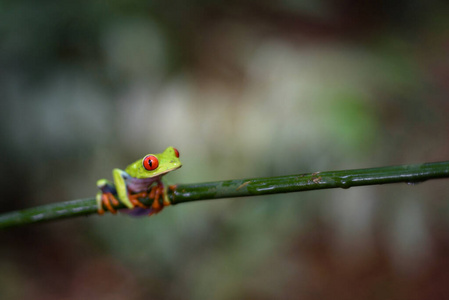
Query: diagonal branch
x,y
410,174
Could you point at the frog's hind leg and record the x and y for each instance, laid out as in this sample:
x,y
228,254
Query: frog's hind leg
x,y
156,192
106,197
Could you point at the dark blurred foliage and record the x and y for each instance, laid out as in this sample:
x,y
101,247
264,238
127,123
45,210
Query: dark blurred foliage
x,y
242,89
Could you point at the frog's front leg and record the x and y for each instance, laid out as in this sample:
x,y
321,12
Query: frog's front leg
x,y
106,196
130,200
120,177
108,189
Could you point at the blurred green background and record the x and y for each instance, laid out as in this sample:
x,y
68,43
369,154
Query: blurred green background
x,y
242,89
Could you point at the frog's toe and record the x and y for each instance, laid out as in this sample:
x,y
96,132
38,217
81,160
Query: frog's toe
x,y
108,200
134,199
156,193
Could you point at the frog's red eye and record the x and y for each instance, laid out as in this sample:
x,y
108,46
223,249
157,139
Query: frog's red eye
x,y
176,152
150,162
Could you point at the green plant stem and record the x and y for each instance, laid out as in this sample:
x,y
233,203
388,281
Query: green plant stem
x,y
411,174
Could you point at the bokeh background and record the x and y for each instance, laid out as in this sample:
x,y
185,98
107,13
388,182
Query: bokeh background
x,y
242,89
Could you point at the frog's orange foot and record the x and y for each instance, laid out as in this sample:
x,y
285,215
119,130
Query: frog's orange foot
x,y
108,200
157,192
134,198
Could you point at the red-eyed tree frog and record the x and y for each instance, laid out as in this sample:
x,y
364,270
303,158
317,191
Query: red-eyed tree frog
x,y
136,182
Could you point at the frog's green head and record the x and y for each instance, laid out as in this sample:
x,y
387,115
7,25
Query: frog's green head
x,y
153,165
